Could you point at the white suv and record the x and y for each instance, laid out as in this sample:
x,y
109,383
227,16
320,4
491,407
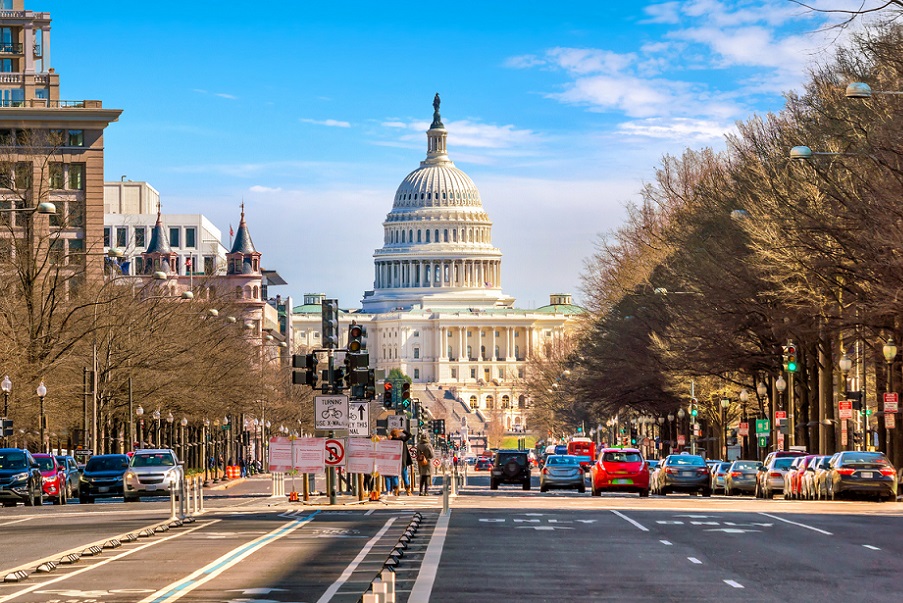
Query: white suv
x,y
152,472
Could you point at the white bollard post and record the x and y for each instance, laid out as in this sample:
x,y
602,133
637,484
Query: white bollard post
x,y
370,598
187,485
388,578
445,493
198,486
200,498
378,587
172,502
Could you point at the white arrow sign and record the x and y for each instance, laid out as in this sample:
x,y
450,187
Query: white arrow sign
x,y
359,419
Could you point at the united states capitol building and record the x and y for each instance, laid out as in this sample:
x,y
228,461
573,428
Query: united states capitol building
x,y
437,311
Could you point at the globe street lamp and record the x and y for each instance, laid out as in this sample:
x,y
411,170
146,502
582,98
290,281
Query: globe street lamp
x,y
744,398
42,392
206,426
7,386
169,420
183,423
890,353
139,412
156,416
725,403
781,385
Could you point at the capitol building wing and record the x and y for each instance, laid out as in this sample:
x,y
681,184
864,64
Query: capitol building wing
x,y
437,311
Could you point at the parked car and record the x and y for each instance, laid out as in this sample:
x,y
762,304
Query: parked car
x,y
53,478
793,480
151,472
621,470
103,477
20,478
741,478
719,471
763,475
684,473
510,467
73,474
562,471
808,489
869,473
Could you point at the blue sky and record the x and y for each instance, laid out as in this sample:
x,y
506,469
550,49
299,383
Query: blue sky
x,y
313,113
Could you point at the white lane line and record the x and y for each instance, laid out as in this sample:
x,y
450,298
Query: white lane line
x,y
634,522
802,525
332,590
103,562
9,523
665,542
733,583
695,560
868,546
423,586
370,512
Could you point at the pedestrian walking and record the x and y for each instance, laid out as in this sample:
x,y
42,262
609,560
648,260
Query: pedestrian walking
x,y
424,464
406,460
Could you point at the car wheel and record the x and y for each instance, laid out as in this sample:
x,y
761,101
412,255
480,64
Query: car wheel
x,y
527,484
707,492
663,492
493,485
39,499
131,499
581,489
543,489
644,493
9,504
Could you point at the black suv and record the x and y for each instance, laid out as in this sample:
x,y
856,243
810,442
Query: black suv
x,y
510,467
20,478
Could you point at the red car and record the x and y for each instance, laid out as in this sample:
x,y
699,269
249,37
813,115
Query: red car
x,y
620,470
483,464
54,478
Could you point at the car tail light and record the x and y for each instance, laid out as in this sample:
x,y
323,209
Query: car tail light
x,y
776,474
669,470
887,471
545,471
845,471
701,471
736,474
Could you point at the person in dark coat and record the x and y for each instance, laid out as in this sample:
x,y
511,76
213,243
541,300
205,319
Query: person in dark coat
x,y
425,464
406,460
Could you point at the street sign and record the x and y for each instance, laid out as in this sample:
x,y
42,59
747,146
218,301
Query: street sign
x,y
331,412
743,429
763,441
845,409
843,433
359,419
681,440
891,402
780,441
763,427
396,422
890,421
780,414
335,453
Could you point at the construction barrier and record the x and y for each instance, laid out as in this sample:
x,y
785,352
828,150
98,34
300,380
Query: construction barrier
x,y
233,472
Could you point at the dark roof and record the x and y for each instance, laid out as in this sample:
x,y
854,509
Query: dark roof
x,y
159,242
243,243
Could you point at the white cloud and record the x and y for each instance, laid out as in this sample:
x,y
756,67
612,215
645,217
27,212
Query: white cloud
x,y
581,61
679,129
662,13
469,134
264,189
225,95
332,123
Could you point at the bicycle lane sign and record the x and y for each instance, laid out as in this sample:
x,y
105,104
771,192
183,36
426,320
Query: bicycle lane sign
x,y
331,412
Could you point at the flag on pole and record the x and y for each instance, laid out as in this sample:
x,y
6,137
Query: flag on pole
x,y
231,232
188,262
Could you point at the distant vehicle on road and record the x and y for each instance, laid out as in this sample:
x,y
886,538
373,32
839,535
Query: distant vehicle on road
x,y
741,478
20,478
719,472
152,472
684,473
102,477
562,471
73,474
53,478
510,467
621,470
584,449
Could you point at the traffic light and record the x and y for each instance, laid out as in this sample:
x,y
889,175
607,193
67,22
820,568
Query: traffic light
x,y
330,317
6,427
387,395
857,437
307,362
356,334
633,437
370,386
405,395
791,364
694,412
438,427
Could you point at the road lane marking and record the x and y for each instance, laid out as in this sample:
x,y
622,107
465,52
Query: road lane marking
x,y
179,589
102,562
9,523
423,586
633,521
733,583
332,590
665,542
868,546
695,560
802,525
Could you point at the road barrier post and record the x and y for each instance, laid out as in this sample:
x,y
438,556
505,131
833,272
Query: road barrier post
x,y
388,578
445,493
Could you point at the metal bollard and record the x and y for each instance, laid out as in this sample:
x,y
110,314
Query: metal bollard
x,y
198,487
187,485
380,589
445,494
200,498
172,503
454,481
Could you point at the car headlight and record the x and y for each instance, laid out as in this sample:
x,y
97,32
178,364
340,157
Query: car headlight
x,y
130,475
46,479
19,477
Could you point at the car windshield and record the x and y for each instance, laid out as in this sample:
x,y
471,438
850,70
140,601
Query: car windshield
x,y
622,457
45,463
864,458
107,463
506,458
694,461
740,466
12,460
152,460
561,460
783,462
724,467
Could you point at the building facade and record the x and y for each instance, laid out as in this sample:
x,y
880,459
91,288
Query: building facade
x,y
437,311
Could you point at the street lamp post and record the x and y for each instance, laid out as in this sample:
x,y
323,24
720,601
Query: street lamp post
x,y
725,403
156,416
206,426
7,387
744,447
681,413
781,385
890,352
845,364
42,392
139,412
169,420
183,423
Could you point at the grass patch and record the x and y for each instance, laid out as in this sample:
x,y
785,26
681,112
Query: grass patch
x,y
511,441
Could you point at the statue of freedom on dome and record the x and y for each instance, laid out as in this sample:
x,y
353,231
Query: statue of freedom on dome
x,y
437,119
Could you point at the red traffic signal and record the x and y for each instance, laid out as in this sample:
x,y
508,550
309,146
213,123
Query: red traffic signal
x,y
388,386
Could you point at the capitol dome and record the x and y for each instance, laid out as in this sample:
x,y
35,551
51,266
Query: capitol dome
x,y
437,249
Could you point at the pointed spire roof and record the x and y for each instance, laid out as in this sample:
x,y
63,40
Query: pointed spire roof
x,y
159,242
243,243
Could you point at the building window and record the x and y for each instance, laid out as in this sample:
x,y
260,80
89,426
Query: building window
x,y
140,236
468,333
416,373
416,334
56,175
57,252
106,236
77,176
517,334
506,402
76,252
520,372
445,236
139,265
450,353
469,352
497,355
474,403
418,236
454,373
76,214
517,352
416,353
76,138
174,237
191,237
122,234
209,265
24,173
427,236
473,373
490,402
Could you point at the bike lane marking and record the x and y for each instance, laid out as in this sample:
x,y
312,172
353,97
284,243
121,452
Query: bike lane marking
x,y
103,562
796,523
9,523
429,567
633,521
179,589
332,590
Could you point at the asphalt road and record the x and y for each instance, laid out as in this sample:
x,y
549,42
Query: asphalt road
x,y
504,545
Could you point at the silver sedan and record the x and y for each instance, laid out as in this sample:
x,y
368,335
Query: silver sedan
x,y
562,471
